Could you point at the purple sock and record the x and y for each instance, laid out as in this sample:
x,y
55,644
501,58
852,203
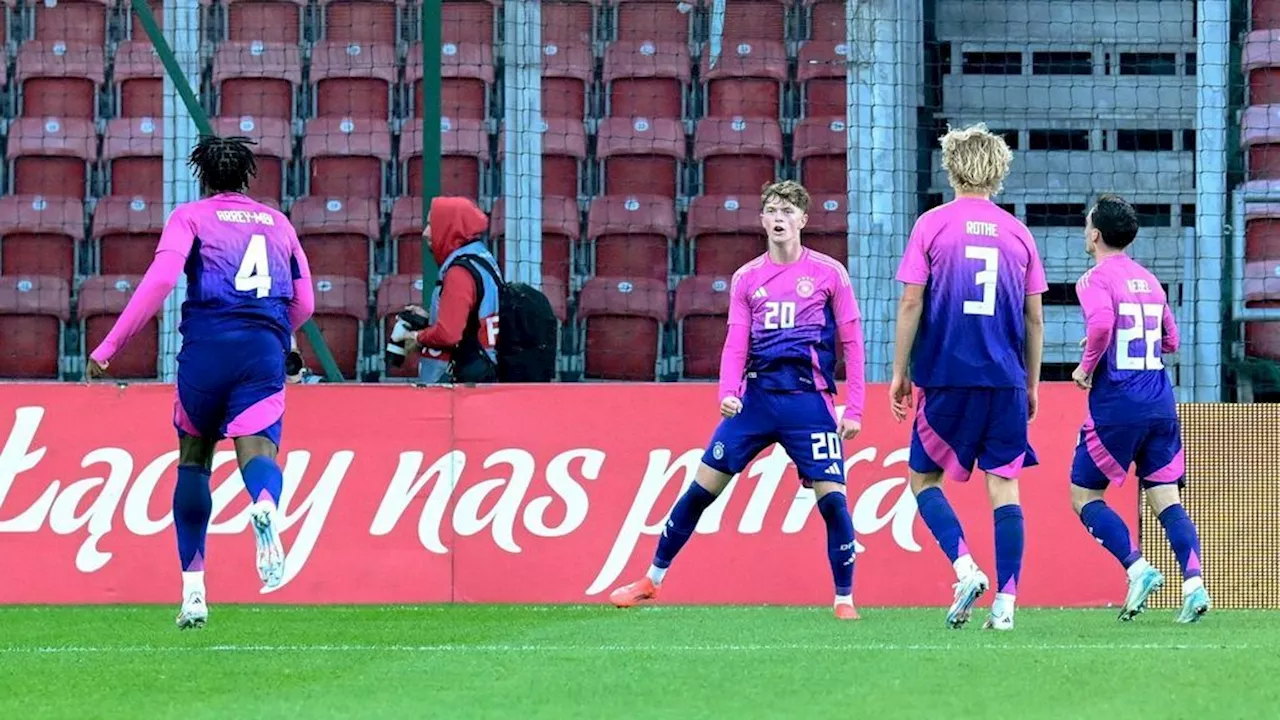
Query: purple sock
x,y
1183,538
834,508
941,521
192,505
1105,525
263,480
684,518
1010,538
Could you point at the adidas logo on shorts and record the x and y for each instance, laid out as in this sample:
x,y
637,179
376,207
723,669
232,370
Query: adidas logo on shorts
x,y
834,469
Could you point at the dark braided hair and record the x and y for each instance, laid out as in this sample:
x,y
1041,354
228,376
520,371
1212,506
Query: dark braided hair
x,y
224,164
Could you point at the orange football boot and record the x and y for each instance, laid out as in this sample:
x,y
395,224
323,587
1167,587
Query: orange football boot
x,y
846,611
637,592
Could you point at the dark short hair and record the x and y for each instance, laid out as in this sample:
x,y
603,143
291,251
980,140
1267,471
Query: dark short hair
x,y
224,164
1116,219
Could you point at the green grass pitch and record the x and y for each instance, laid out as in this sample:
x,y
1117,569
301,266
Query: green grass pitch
x,y
560,662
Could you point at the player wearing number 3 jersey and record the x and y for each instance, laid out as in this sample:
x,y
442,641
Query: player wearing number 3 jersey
x,y
248,290
970,321
1132,416
788,309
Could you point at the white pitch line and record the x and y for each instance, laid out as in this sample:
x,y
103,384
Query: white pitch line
x,y
530,648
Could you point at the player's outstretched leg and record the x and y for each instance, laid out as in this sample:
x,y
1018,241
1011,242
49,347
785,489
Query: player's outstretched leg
x,y
192,506
1185,541
941,520
1109,529
707,485
264,483
833,505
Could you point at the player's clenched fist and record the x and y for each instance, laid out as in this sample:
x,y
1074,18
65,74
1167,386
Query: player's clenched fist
x,y
730,406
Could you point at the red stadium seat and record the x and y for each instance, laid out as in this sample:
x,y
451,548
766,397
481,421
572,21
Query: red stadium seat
x,y
646,79
139,81
39,235
346,157
395,292
274,138
341,309
566,76
702,315
360,21
564,150
467,21
640,156
72,21
51,156
650,20
747,81
557,292
337,235
102,300
755,20
1260,139
257,79
125,234
353,80
33,310
133,157
737,155
58,79
631,235
622,320
826,20
561,231
407,223
724,233
828,227
268,21
821,71
466,76
464,162
820,151
568,23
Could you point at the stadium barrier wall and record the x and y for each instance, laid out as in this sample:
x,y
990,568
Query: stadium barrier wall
x,y
396,494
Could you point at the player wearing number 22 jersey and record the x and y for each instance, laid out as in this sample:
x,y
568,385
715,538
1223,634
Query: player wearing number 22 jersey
x,y
788,309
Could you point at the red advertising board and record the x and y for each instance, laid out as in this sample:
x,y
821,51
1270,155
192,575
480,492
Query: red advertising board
x,y
396,494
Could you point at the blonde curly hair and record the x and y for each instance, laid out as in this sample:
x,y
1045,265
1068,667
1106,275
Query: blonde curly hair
x,y
788,191
976,160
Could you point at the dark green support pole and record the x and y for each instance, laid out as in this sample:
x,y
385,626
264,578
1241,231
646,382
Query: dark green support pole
x,y
431,20
198,116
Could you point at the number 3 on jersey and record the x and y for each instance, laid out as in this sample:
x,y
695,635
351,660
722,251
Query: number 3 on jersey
x,y
985,278
254,274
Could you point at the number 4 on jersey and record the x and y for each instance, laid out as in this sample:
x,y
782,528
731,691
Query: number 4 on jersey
x,y
254,274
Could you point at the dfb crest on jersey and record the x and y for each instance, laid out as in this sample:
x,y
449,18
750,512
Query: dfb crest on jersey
x,y
805,287
717,450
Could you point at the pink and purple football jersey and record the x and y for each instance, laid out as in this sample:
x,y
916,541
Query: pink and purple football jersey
x,y
977,263
793,312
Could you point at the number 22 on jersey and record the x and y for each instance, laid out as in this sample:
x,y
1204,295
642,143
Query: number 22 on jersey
x,y
254,274
1139,313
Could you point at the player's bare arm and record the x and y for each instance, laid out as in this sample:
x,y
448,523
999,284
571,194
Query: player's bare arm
x,y
910,308
1033,317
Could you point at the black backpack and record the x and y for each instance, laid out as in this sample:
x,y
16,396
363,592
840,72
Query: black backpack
x,y
526,329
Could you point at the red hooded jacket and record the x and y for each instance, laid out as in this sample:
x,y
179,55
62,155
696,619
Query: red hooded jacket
x,y
453,222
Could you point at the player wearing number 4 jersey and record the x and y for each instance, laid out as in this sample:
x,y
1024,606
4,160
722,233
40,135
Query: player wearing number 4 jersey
x,y
1132,416
787,310
970,321
248,291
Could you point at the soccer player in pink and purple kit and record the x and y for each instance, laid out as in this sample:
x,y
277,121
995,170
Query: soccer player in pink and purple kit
x,y
787,310
248,290
1132,415
971,322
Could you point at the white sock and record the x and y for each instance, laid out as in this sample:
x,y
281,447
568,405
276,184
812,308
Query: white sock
x,y
964,566
192,582
1192,584
1003,604
1137,568
844,600
656,574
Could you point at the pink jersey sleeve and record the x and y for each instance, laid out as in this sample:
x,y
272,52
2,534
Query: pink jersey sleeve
x,y
1170,342
1036,282
304,295
914,269
733,359
1099,318
844,306
162,276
